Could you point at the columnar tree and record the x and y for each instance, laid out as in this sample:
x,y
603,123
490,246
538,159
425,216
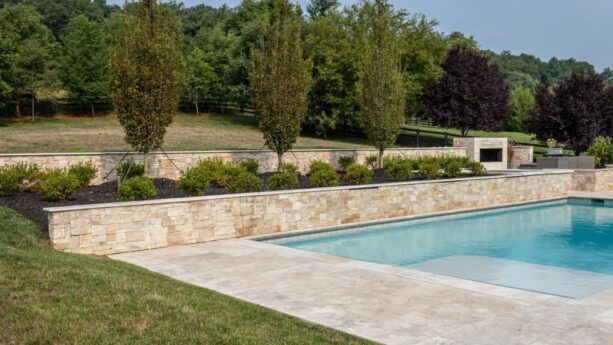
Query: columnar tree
x,y
575,113
380,86
471,95
146,75
85,64
281,78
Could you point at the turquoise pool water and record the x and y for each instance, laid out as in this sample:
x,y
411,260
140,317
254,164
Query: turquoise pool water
x,y
574,234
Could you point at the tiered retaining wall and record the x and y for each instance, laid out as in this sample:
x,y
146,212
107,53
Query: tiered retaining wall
x,y
124,227
163,166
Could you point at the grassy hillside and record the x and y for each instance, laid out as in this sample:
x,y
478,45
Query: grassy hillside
x,y
188,132
47,297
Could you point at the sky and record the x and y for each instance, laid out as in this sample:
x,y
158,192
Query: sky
x,y
582,29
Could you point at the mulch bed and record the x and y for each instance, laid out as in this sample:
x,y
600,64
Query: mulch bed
x,y
30,205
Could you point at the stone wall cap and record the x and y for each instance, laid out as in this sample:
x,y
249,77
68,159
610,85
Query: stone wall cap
x,y
500,174
45,154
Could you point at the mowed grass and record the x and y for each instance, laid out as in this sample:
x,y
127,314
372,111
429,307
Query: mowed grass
x,y
47,297
187,132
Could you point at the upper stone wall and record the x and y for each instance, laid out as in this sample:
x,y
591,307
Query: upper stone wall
x,y
169,165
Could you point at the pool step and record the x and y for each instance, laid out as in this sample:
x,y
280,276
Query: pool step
x,y
520,275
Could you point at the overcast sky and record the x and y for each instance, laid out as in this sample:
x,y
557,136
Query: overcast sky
x,y
582,29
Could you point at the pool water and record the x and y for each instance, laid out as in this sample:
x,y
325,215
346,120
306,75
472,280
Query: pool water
x,y
575,234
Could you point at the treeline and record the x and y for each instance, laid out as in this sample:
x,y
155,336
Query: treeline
x,y
59,50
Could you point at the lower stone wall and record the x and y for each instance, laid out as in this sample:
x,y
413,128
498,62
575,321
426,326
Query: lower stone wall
x,y
171,164
124,227
593,180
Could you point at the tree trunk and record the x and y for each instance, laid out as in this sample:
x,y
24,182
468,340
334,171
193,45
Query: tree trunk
x,y
145,165
279,161
17,109
32,101
197,109
381,152
93,110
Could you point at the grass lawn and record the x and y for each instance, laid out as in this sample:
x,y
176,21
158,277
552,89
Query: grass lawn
x,y
435,136
47,297
188,132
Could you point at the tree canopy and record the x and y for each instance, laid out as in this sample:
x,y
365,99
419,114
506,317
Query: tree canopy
x,y
472,94
146,75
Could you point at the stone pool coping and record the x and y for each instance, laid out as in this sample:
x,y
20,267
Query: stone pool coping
x,y
499,174
387,304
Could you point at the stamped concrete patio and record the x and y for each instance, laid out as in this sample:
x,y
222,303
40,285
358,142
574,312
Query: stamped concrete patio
x,y
391,305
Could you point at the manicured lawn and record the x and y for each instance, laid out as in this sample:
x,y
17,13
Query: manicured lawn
x,y
188,132
47,297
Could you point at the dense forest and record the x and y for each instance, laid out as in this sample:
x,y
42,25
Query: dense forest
x,y
58,51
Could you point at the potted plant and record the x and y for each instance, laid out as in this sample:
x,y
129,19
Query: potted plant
x,y
554,148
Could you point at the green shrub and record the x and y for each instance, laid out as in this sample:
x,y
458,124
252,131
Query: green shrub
x,y
10,181
283,181
324,178
452,166
129,168
244,183
602,150
476,168
346,161
59,185
137,188
251,166
430,170
291,168
229,173
195,181
320,165
372,162
399,169
84,172
359,174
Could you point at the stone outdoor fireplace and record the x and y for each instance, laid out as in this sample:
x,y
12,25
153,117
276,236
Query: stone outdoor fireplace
x,y
492,152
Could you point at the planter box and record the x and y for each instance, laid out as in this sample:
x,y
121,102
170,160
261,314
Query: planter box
x,y
123,227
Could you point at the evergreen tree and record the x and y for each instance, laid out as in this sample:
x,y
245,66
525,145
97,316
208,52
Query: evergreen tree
x,y
472,94
85,64
522,103
380,88
146,75
281,78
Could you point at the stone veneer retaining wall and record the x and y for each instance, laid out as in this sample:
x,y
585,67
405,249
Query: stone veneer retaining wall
x,y
519,155
124,227
593,180
162,167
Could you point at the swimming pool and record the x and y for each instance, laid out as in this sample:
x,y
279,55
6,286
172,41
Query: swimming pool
x,y
573,235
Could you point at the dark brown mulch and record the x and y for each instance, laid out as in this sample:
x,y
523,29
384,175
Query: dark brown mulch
x,y
31,205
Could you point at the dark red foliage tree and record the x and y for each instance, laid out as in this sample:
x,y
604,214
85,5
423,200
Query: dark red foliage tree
x,y
576,112
472,94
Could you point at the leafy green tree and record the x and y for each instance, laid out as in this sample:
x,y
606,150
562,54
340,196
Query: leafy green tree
x,y
85,64
380,87
30,50
281,78
457,39
332,97
199,75
522,104
321,8
146,74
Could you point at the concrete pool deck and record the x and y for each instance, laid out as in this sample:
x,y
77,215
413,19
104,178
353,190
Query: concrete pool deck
x,y
392,305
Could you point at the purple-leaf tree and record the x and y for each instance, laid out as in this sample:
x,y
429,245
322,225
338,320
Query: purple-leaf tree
x,y
471,95
575,112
